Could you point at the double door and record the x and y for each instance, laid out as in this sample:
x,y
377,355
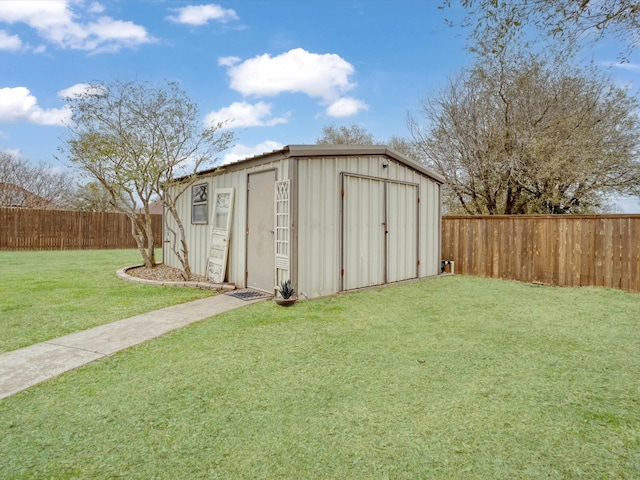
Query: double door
x,y
380,231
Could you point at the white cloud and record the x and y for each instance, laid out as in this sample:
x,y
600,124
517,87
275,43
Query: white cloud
x,y
111,34
9,42
323,76
52,116
80,28
228,61
632,67
80,89
19,105
243,114
201,14
240,152
345,107
13,151
96,7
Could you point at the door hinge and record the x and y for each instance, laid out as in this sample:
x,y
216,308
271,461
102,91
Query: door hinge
x,y
342,272
418,262
246,274
418,199
342,192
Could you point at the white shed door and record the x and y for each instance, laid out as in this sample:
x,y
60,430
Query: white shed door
x,y
219,247
363,241
260,231
379,231
402,239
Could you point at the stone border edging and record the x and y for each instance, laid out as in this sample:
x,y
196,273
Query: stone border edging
x,y
122,273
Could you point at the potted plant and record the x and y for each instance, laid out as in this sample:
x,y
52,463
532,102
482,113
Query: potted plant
x,y
286,297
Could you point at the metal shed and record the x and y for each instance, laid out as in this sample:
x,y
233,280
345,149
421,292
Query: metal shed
x,y
330,218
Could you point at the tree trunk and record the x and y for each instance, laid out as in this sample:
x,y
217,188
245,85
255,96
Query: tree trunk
x,y
145,242
183,253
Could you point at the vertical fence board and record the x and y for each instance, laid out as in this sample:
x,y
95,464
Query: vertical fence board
x,y
587,260
599,255
617,243
30,229
567,250
575,252
634,257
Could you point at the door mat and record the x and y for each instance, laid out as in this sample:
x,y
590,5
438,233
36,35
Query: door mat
x,y
248,294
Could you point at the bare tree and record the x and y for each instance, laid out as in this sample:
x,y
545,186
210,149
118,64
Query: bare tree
x,y
496,22
406,147
135,139
23,184
345,135
357,135
93,197
518,134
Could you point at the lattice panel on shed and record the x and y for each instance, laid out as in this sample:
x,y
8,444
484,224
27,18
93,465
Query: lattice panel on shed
x,y
282,231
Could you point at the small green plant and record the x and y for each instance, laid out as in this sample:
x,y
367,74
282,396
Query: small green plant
x,y
286,290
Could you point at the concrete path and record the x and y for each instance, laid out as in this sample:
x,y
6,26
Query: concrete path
x,y
23,368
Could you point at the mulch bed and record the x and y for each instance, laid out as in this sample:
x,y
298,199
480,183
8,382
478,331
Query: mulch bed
x,y
163,273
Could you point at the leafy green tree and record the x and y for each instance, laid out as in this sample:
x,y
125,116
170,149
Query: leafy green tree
x,y
135,140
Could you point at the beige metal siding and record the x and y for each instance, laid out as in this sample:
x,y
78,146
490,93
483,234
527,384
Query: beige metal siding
x,y
319,241
403,231
363,232
318,227
198,236
380,231
429,228
315,217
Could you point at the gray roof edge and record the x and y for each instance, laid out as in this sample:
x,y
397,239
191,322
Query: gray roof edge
x,y
331,149
415,165
321,150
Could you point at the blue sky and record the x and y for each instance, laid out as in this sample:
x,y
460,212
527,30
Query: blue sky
x,y
281,69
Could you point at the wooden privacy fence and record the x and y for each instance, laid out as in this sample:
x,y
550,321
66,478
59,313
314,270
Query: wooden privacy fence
x,y
28,229
566,250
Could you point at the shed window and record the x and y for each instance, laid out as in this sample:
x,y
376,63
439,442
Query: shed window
x,y
199,210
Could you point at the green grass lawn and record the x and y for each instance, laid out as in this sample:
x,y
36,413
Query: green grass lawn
x,y
456,377
47,294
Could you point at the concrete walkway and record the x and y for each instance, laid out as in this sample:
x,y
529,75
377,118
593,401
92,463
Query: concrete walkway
x,y
23,368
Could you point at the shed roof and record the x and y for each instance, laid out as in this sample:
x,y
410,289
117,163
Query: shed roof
x,y
324,151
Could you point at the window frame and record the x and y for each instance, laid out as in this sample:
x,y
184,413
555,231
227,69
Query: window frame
x,y
197,203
